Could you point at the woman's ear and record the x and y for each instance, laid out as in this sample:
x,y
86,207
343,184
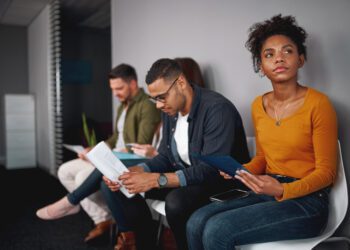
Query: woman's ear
x,y
261,72
301,61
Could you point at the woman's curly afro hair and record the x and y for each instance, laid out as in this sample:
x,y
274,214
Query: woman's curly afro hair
x,y
277,25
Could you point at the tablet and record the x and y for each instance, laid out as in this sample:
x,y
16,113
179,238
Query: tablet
x,y
225,163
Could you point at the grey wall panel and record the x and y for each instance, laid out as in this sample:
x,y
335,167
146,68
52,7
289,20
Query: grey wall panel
x,y
214,33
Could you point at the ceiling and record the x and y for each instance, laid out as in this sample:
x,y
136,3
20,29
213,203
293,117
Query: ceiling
x,y
84,13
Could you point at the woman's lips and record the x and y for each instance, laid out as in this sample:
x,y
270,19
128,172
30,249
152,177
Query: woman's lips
x,y
280,69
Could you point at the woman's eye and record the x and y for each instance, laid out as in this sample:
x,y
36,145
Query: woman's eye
x,y
268,55
288,51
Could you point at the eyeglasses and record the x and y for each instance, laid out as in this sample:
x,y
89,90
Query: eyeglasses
x,y
161,97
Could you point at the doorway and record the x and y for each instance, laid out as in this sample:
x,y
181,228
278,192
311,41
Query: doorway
x,y
85,64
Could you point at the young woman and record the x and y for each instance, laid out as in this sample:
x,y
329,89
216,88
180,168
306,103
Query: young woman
x,y
295,163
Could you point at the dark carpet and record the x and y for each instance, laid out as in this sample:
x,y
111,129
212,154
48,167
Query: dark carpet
x,y
22,192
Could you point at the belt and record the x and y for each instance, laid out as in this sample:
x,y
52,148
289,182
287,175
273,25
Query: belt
x,y
283,177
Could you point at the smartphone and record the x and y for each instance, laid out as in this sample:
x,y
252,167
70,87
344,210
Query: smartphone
x,y
229,195
130,144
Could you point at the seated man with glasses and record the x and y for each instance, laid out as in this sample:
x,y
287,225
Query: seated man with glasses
x,y
195,121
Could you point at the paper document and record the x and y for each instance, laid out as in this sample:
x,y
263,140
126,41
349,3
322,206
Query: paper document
x,y
103,159
75,148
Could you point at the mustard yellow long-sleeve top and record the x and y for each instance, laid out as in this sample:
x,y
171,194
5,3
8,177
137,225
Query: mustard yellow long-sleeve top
x,y
304,146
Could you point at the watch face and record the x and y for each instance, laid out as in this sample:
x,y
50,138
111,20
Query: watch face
x,y
162,180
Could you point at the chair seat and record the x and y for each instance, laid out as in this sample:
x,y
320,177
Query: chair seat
x,y
158,206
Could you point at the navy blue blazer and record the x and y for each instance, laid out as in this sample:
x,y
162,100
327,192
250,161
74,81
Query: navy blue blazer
x,y
215,128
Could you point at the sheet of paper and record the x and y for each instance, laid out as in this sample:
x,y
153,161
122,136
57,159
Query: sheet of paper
x,y
75,148
104,160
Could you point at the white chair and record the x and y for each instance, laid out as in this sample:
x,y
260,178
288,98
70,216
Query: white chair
x,y
251,146
338,205
159,208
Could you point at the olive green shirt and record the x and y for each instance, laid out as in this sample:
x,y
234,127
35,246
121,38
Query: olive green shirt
x,y
141,121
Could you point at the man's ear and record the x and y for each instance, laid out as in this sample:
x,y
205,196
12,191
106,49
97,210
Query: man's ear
x,y
133,83
182,81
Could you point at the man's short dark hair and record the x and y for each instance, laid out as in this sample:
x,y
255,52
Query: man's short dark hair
x,y
123,71
164,68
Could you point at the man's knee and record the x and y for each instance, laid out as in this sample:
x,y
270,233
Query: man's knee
x,y
64,171
175,204
82,175
69,169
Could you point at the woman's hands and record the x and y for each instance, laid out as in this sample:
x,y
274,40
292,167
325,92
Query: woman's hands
x,y
226,176
259,184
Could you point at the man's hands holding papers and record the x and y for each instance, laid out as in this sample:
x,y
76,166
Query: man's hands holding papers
x,y
112,185
135,181
260,184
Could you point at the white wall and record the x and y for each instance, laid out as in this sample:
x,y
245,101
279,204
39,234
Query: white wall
x,y
214,33
39,60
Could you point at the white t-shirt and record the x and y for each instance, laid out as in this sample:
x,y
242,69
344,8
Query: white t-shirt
x,y
181,138
120,144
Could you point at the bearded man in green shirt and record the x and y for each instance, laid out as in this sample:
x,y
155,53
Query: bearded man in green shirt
x,y
136,122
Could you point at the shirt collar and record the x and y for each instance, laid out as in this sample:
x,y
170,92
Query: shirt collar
x,y
197,92
137,97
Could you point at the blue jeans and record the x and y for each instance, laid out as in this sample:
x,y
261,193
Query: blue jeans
x,y
92,184
257,219
134,214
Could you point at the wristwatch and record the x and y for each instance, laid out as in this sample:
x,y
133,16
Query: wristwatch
x,y
162,180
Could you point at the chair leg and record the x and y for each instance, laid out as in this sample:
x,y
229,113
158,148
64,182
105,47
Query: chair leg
x,y
160,227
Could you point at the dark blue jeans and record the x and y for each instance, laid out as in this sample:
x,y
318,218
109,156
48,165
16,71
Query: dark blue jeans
x,y
257,219
91,185
134,215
